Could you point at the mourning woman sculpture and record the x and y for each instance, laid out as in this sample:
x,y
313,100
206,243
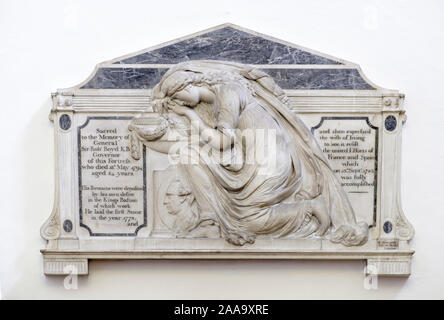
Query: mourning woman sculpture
x,y
290,191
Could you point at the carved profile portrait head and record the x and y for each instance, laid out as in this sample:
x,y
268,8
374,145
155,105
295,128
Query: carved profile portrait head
x,y
178,197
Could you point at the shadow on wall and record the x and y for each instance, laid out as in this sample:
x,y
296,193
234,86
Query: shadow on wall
x,y
182,279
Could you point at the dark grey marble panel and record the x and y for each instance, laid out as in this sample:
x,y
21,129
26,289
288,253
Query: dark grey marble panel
x,y
125,78
319,79
228,44
303,79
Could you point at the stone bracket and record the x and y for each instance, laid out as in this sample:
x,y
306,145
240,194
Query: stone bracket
x,y
389,266
65,266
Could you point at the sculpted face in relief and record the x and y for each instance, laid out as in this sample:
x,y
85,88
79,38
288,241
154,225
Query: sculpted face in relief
x,y
188,220
249,168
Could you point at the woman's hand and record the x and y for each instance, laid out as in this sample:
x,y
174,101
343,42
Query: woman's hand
x,y
178,109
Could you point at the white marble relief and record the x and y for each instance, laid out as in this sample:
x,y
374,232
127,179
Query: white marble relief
x,y
294,155
297,195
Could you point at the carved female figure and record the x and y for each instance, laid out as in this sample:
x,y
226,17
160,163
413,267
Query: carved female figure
x,y
290,191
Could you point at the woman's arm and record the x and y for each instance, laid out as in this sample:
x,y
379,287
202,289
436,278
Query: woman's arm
x,y
217,139
158,144
221,138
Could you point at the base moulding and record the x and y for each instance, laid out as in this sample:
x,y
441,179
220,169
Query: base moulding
x,y
383,263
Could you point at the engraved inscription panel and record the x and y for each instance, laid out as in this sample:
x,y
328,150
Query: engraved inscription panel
x,y
112,186
350,145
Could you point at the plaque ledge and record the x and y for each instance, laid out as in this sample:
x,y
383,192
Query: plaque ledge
x,y
380,263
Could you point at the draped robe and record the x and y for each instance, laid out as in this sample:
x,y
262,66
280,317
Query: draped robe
x,y
245,193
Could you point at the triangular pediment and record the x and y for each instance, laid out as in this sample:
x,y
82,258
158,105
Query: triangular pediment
x,y
292,67
229,43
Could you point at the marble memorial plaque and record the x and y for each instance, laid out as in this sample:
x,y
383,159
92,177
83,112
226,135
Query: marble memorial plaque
x,y
227,144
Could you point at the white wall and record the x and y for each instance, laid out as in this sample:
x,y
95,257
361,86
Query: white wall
x,y
47,45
